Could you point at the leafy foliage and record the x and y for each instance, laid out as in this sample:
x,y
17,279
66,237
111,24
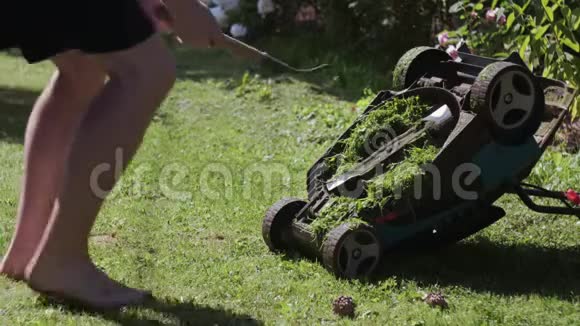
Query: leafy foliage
x,y
252,85
368,25
557,170
378,25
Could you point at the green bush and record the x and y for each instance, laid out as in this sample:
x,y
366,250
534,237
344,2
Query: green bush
x,y
376,29
281,21
380,26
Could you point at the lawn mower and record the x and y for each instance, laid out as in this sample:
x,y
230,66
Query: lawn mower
x,y
491,120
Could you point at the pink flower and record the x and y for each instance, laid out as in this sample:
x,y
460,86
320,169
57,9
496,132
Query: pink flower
x,y
474,15
491,15
453,52
443,38
501,20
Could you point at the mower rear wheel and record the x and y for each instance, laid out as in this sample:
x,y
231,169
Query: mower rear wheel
x,y
278,220
351,252
416,62
511,100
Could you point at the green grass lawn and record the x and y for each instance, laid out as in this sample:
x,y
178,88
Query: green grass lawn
x,y
186,219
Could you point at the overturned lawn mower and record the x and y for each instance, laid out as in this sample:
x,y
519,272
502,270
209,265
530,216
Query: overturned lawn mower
x,y
424,164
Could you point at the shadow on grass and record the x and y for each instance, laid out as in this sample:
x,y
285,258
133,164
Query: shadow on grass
x,y
493,267
15,107
163,311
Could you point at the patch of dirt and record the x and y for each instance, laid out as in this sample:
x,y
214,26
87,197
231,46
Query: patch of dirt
x,y
103,239
214,237
569,136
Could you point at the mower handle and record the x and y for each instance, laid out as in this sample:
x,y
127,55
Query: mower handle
x,y
525,193
238,47
242,49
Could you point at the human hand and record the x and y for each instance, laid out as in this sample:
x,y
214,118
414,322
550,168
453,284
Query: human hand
x,y
190,21
157,12
164,21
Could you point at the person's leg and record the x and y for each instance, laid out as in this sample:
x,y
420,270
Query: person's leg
x,y
50,131
140,79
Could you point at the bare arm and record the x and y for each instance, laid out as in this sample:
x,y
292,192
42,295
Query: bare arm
x,y
194,25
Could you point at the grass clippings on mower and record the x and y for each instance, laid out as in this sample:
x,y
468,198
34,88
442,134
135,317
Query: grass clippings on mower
x,y
379,126
385,189
397,182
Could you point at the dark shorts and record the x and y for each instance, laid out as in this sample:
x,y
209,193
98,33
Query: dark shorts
x,y
45,28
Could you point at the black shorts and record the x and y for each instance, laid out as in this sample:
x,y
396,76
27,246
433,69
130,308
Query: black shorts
x,y
43,29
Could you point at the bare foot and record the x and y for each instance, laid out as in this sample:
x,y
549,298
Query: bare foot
x,y
12,269
21,250
82,283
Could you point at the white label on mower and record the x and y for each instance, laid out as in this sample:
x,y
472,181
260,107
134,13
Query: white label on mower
x,y
440,115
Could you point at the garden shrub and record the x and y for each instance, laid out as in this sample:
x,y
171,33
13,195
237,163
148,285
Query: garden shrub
x,y
382,30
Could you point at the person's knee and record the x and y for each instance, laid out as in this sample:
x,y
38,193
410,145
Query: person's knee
x,y
150,68
78,75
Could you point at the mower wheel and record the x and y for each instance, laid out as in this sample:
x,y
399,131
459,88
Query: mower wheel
x,y
511,100
351,252
278,220
415,63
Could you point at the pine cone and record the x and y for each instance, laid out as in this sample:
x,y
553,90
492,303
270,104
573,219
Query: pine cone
x,y
344,306
435,300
